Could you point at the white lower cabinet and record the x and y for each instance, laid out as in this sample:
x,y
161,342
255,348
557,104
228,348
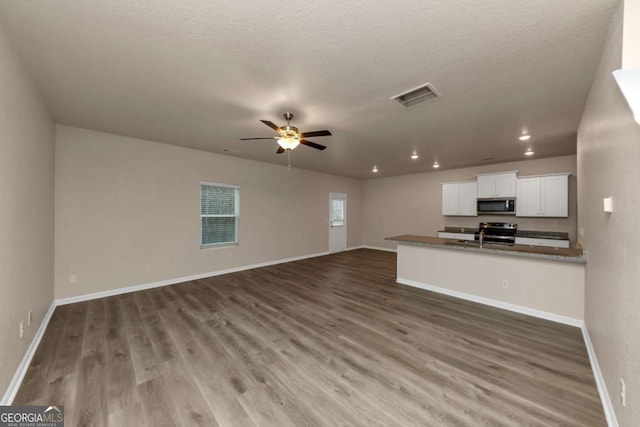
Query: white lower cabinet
x,y
531,241
543,196
457,236
459,199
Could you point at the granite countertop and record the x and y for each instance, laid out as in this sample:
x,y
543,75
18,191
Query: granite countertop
x,y
542,252
553,235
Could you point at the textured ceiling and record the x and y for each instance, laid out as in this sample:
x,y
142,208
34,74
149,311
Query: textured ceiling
x,y
202,73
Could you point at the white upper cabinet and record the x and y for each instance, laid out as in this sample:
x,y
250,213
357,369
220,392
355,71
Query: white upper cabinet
x,y
555,195
528,197
486,186
468,199
450,199
459,199
506,184
543,196
497,185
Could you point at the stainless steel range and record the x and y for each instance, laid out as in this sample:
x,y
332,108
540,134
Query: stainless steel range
x,y
498,232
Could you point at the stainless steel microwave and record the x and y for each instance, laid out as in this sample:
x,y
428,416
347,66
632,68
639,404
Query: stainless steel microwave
x,y
497,206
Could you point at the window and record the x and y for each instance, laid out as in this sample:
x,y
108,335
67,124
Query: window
x,y
337,212
219,213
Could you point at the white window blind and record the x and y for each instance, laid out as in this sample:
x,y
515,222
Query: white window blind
x,y
219,213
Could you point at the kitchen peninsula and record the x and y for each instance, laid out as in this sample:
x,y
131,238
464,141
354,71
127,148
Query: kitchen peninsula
x,y
539,281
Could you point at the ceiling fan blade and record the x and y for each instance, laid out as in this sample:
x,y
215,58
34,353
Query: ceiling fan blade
x,y
312,144
249,139
271,125
280,150
315,133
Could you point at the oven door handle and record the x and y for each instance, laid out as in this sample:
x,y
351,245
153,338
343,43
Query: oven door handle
x,y
489,236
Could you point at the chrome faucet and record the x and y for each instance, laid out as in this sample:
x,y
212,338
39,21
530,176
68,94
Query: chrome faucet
x,y
481,237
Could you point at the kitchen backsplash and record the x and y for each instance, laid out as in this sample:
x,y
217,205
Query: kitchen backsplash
x,y
566,225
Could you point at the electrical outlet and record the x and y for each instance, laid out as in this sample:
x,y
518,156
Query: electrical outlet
x,y
22,329
29,318
73,279
581,231
555,224
623,393
505,283
148,267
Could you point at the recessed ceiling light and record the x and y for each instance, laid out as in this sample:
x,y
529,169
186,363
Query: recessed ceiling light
x,y
414,156
436,165
528,152
375,169
524,137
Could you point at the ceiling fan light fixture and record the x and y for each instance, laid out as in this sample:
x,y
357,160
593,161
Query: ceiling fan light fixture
x,y
289,137
289,143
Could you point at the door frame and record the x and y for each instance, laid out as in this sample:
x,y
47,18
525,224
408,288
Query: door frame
x,y
343,196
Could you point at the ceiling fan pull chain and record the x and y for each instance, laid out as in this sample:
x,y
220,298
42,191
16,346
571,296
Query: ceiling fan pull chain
x,y
289,160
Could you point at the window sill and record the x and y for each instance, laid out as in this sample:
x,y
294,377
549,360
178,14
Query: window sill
x,y
219,245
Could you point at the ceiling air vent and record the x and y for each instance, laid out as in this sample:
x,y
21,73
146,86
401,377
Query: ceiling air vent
x,y
416,96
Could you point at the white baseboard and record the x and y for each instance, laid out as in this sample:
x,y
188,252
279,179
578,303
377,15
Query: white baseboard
x,y
378,248
495,303
597,373
141,287
135,288
16,381
607,406
14,386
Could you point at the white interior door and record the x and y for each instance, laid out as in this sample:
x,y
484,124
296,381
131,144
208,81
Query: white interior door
x,y
337,222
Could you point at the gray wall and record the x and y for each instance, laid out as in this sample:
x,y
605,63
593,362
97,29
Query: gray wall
x,y
412,204
609,165
122,203
26,210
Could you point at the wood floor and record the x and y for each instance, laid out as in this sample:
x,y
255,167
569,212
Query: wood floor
x,y
327,341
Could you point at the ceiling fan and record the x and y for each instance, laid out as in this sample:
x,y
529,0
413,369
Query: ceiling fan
x,y
289,137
